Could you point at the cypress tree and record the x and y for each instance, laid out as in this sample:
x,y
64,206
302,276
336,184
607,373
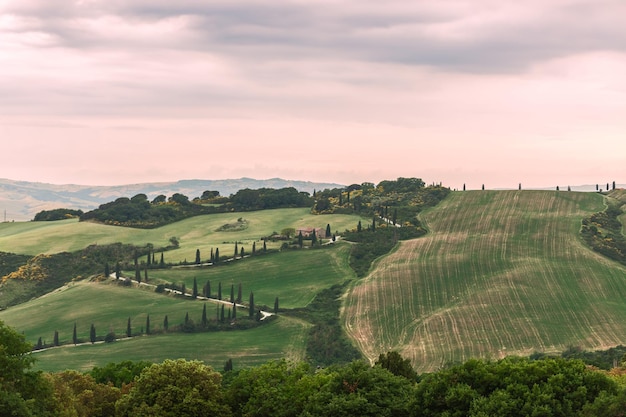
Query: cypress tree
x,y
217,255
153,262
183,289
222,314
251,305
39,344
194,293
234,311
463,187
276,306
264,246
236,251
186,318
204,318
207,289
374,224
118,271
483,187
239,295
613,184
313,238
137,274
149,258
162,262
228,366
219,291
166,323
74,336
212,256
300,239
129,332
145,274
198,257
328,232
241,252
55,341
148,324
107,271
359,227
348,197
340,198
92,334
395,216
229,314
232,293
253,248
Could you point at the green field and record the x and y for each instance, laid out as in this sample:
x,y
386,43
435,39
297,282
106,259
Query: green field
x,y
292,276
198,232
108,307
282,338
500,273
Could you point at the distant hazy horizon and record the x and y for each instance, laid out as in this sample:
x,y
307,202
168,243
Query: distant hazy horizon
x,y
454,91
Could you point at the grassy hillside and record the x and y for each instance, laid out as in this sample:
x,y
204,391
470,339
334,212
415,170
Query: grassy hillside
x,y
499,273
293,276
282,338
199,232
108,307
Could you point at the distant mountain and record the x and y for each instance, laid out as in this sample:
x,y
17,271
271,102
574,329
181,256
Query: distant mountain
x,y
21,200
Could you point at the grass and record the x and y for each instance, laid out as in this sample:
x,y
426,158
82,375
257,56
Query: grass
x,y
198,232
295,277
500,273
282,338
108,307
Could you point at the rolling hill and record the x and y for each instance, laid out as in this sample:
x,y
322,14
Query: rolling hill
x,y
500,273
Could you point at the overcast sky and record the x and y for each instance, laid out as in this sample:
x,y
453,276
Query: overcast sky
x,y
482,91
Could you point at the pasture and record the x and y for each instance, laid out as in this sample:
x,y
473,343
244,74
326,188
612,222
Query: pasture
x,y
282,338
500,273
200,232
294,276
108,306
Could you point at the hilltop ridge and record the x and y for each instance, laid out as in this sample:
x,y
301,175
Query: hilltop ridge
x,y
22,199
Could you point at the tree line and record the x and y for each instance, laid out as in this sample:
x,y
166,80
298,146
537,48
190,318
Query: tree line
x,y
512,386
138,211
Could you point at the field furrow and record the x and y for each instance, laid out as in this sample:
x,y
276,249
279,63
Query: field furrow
x,y
499,273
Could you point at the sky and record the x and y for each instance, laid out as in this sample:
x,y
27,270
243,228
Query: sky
x,y
459,92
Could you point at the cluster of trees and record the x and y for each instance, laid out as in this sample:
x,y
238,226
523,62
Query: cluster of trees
x,y
138,211
326,342
603,232
57,214
38,275
396,201
269,198
512,387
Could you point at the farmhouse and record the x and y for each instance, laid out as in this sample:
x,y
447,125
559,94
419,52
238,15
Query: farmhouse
x,y
308,231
